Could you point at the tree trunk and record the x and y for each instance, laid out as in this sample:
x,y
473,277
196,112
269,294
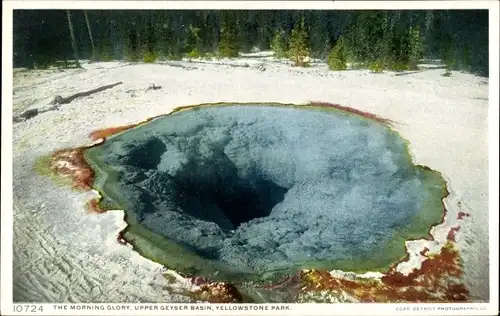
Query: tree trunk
x,y
90,35
138,39
73,39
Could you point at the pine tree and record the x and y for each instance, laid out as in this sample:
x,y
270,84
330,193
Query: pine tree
x,y
130,46
161,45
105,53
193,42
228,45
466,58
299,51
278,44
319,38
415,47
448,56
149,47
337,58
386,42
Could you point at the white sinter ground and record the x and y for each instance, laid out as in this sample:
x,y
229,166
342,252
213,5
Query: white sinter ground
x,y
64,254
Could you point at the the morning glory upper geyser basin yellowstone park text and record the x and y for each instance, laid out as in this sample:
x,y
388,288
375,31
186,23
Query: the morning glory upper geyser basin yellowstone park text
x,y
238,191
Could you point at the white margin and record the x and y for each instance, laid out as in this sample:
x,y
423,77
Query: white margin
x,y
7,198
493,155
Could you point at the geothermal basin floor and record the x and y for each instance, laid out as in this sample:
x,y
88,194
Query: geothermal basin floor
x,y
62,253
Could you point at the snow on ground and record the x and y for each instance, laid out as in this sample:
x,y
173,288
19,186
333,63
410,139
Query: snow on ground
x,y
62,253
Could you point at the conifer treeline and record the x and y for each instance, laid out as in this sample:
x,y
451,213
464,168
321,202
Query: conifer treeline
x,y
392,38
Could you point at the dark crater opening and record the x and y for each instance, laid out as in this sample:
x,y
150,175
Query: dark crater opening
x,y
210,189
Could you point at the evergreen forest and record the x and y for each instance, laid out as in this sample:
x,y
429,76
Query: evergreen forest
x,y
375,39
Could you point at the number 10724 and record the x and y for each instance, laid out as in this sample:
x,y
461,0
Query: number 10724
x,y
27,308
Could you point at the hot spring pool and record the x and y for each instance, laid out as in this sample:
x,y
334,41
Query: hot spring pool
x,y
240,190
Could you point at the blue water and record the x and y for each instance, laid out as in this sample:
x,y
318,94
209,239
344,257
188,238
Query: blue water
x,y
263,187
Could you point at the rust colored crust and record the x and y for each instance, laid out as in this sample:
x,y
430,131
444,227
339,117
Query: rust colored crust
x,y
215,292
435,281
353,111
452,232
106,132
71,163
93,206
461,215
